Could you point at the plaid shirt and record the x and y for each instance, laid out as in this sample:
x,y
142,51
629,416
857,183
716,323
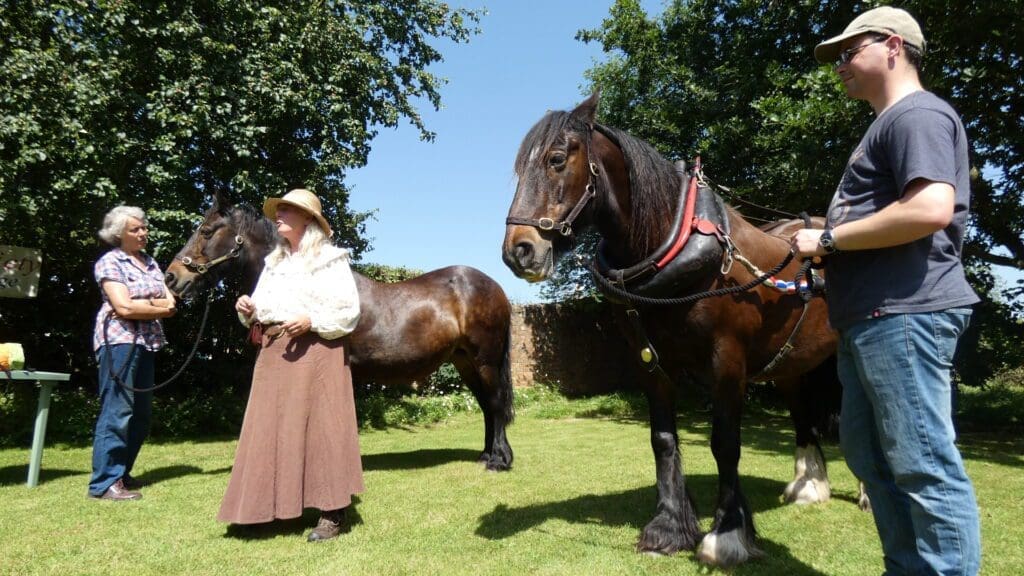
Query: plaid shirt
x,y
117,266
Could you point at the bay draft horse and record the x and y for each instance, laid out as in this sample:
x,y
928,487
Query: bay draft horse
x,y
406,329
569,168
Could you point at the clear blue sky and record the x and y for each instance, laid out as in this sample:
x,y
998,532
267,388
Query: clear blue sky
x,y
444,202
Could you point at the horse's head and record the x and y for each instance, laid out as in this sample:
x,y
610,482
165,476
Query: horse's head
x,y
556,181
230,238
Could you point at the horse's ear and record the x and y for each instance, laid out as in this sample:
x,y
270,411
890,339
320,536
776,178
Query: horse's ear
x,y
587,110
221,200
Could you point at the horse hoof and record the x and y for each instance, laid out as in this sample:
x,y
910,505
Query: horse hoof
x,y
810,481
498,466
727,549
653,554
664,536
807,491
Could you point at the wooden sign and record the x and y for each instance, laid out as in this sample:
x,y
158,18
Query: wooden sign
x,y
19,271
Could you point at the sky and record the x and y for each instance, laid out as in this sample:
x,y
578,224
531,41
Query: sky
x,y
444,202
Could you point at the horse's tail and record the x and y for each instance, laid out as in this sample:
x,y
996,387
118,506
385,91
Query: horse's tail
x,y
505,393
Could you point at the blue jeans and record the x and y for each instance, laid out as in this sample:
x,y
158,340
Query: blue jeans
x,y
897,435
123,422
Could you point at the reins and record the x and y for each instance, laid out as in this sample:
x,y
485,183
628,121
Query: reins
x,y
689,299
198,268
131,355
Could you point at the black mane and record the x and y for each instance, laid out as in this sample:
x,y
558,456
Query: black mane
x,y
251,219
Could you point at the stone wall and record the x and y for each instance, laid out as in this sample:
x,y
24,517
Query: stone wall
x,y
576,346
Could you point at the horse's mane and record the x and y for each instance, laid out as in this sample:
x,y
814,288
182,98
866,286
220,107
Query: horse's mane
x,y
653,181
654,187
252,218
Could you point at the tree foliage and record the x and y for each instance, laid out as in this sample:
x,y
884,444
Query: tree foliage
x,y
735,82
157,104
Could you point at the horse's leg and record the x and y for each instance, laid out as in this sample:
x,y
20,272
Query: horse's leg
x,y
810,483
486,382
731,540
674,526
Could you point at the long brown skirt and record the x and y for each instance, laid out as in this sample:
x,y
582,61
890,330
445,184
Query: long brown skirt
x,y
299,446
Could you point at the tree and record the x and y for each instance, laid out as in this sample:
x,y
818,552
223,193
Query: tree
x,y
157,104
735,82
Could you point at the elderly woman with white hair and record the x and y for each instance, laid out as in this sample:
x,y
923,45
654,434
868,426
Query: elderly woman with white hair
x,y
126,336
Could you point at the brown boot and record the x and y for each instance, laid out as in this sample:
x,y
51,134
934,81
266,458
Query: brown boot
x,y
118,492
331,524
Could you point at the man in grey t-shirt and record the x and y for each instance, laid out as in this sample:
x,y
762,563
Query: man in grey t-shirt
x,y
898,296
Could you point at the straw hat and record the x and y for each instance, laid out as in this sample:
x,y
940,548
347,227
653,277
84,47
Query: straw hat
x,y
300,198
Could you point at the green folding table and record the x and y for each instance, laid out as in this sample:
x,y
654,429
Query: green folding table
x,y
46,382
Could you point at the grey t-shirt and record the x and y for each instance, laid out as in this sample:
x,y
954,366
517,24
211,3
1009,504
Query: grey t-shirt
x,y
920,136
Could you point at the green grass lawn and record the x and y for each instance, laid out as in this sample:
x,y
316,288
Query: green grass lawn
x,y
580,491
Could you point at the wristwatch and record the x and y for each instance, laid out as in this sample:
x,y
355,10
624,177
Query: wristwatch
x,y
828,242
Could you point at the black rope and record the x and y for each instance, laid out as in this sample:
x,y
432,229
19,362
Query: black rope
x,y
127,362
805,267
645,300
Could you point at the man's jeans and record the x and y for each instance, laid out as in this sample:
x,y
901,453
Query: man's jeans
x,y
124,418
896,432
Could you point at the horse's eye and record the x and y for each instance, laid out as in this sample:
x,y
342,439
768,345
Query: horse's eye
x,y
556,161
206,232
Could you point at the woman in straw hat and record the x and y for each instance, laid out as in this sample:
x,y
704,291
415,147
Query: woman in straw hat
x,y
299,446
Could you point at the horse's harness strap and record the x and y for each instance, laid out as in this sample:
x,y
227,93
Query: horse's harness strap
x,y
786,348
648,355
204,267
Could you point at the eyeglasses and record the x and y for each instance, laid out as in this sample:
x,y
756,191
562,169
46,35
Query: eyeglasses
x,y
846,55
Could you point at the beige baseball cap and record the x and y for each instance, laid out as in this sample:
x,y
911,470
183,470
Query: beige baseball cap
x,y
881,20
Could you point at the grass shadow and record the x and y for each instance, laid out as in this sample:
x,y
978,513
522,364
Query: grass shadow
x,y
417,459
18,474
1006,450
157,475
633,508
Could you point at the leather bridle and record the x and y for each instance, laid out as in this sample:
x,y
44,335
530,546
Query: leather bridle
x,y
564,227
201,268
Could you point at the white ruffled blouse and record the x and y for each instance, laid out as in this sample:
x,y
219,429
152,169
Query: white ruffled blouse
x,y
325,292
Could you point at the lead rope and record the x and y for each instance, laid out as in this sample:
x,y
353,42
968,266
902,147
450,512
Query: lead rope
x,y
127,362
648,301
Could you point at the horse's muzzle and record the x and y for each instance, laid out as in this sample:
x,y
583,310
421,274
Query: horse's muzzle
x,y
531,259
179,280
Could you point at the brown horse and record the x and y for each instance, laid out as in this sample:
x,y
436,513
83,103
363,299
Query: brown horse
x,y
406,329
573,172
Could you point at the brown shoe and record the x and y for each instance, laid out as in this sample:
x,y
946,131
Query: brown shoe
x,y
118,492
331,524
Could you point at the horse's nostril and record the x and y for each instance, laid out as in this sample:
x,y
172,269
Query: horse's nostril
x,y
523,253
169,277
